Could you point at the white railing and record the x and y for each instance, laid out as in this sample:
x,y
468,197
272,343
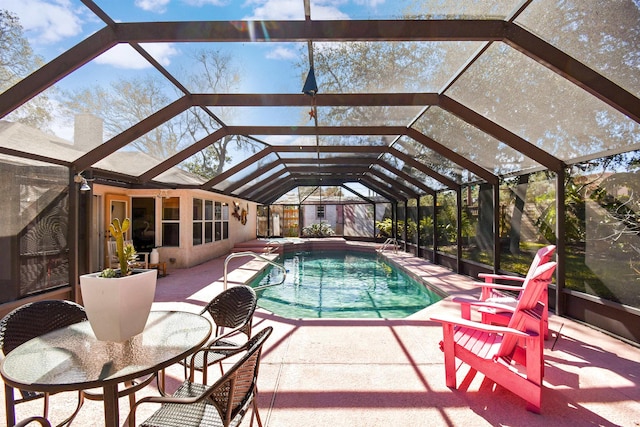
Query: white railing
x,y
389,241
260,257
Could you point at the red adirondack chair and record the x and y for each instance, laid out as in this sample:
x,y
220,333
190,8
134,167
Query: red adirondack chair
x,y
500,304
494,351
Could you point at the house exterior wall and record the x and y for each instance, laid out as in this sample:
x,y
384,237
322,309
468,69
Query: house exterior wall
x,y
330,215
361,223
186,254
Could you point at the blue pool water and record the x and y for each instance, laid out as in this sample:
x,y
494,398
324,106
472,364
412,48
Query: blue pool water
x,y
340,285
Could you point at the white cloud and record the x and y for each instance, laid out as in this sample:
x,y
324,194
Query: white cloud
x,y
326,12
370,3
199,3
61,124
281,52
277,9
284,140
124,56
46,22
157,6
294,10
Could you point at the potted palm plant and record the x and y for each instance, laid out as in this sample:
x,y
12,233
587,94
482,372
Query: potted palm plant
x,y
118,301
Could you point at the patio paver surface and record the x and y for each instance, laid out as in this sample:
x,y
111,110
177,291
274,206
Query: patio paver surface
x,y
359,372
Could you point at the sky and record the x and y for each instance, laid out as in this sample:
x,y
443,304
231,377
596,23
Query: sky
x,y
54,26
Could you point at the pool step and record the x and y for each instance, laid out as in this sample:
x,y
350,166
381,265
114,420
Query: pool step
x,y
259,247
315,244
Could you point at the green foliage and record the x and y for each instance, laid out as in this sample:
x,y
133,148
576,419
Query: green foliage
x,y
426,230
385,228
108,273
126,253
412,228
467,226
546,219
447,219
321,229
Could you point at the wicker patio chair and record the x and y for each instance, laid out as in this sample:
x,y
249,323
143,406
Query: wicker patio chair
x,y
232,312
32,320
28,421
224,403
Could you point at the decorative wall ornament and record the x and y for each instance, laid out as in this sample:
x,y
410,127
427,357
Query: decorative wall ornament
x,y
240,214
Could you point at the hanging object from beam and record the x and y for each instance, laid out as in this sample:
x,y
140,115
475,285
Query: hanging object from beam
x,y
310,86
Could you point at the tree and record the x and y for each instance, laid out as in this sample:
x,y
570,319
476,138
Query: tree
x,y
375,67
125,103
17,60
215,72
520,194
129,101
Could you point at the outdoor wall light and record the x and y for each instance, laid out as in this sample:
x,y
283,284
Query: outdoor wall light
x,y
84,185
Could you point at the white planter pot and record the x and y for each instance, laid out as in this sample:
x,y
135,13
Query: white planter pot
x,y
118,308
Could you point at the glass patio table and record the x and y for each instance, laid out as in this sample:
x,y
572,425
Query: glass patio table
x,y
71,358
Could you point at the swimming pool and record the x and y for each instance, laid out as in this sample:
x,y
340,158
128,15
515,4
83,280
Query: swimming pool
x,y
340,285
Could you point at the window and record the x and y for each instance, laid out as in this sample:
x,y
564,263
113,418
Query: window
x,y
202,221
225,221
171,221
221,221
320,212
218,221
197,222
208,221
143,220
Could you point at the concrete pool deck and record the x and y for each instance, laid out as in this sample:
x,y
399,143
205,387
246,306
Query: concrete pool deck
x,y
360,372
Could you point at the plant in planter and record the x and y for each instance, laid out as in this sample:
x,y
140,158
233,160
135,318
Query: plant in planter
x,y
118,302
126,253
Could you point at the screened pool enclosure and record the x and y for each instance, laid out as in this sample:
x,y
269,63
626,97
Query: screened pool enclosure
x,y
471,132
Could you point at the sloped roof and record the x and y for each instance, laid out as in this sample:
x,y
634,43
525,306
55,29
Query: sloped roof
x,y
17,138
